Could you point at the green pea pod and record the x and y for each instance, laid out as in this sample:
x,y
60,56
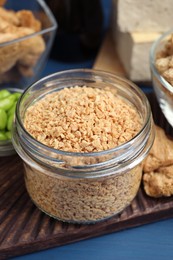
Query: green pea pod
x,y
4,93
7,102
10,122
12,109
8,135
3,119
17,95
3,136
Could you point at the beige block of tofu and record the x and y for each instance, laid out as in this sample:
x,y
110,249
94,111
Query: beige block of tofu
x,y
143,15
133,51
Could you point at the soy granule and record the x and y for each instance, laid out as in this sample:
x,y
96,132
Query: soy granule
x,y
82,119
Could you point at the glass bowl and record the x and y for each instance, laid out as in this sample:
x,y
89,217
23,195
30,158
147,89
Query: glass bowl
x,y
162,88
6,147
24,47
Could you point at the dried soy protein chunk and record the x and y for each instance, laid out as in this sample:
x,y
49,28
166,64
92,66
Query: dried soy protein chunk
x,y
82,119
158,166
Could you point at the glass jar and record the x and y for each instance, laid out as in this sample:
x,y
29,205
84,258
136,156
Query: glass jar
x,y
83,187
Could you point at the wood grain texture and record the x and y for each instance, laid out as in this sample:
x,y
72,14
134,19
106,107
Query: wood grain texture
x,y
25,229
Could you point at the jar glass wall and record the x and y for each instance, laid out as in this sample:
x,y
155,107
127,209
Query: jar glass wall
x,y
83,187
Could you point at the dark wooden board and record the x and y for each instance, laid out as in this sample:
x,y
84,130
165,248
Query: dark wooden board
x,y
25,229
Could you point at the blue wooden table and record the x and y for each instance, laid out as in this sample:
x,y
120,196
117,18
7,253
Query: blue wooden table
x,y
153,241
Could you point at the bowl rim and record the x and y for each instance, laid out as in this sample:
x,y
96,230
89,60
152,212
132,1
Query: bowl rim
x,y
152,60
53,27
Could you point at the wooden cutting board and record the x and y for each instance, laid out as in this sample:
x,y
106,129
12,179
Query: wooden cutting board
x,y
25,229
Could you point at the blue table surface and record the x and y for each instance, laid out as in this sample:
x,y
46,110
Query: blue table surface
x,y
151,241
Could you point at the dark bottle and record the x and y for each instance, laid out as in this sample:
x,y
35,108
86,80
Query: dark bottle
x,y
80,28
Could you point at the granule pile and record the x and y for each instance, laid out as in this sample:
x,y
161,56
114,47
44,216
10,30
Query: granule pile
x,y
82,200
82,119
